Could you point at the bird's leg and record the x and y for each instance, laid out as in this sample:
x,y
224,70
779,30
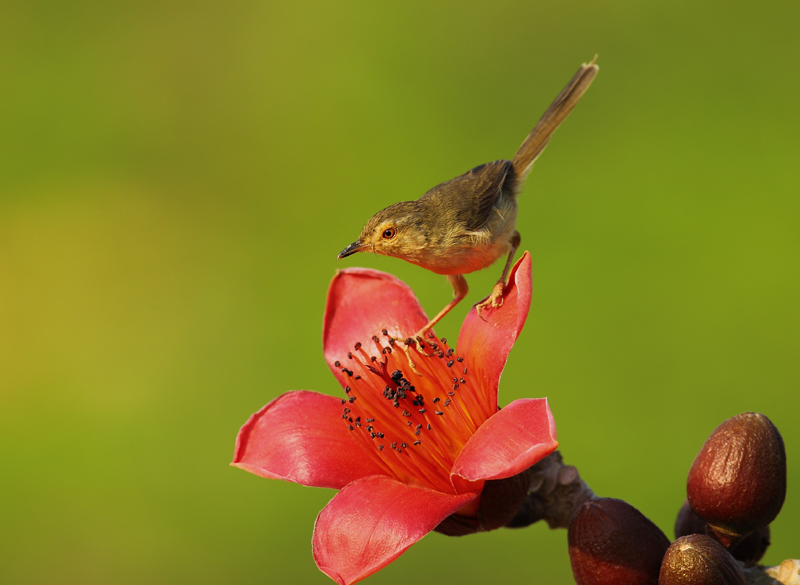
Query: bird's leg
x,y
460,289
496,298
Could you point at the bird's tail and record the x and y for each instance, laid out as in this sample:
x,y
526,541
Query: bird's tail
x,y
534,144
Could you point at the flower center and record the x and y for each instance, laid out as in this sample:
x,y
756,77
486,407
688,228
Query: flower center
x,y
413,424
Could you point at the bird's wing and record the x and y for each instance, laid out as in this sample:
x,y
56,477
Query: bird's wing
x,y
469,198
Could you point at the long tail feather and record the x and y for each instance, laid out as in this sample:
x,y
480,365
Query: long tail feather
x,y
534,144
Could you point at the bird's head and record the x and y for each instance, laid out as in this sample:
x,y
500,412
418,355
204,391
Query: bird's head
x,y
398,231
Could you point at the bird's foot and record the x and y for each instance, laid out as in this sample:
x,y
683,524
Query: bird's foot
x,y
418,342
494,300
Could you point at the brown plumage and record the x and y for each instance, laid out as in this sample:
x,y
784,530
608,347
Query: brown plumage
x,y
468,223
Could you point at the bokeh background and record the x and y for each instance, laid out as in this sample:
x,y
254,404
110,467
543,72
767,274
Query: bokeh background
x,y
176,179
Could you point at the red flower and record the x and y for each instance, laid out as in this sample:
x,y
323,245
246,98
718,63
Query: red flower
x,y
406,451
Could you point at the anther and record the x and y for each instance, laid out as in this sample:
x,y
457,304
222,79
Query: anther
x,y
437,399
351,427
406,413
465,371
347,389
439,412
450,364
460,359
357,346
417,442
463,381
352,399
451,393
337,363
422,411
447,402
385,332
417,432
404,445
380,447
429,427
358,377
375,339
444,340
440,354
349,355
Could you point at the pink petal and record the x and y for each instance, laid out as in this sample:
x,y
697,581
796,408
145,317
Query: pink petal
x,y
373,521
512,440
362,302
301,437
486,344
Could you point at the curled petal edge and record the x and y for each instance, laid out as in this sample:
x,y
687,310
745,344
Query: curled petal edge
x,y
509,442
494,337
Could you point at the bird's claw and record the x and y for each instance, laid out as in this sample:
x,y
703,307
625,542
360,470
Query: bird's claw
x,y
418,343
494,300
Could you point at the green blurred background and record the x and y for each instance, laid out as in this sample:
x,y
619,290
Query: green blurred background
x,y
177,178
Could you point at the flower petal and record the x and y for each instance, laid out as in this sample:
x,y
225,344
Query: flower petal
x,y
486,344
512,440
300,437
361,302
373,521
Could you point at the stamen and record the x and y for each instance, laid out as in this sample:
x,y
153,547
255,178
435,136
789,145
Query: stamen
x,y
385,395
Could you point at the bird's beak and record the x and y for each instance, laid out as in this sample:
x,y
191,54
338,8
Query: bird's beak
x,y
356,246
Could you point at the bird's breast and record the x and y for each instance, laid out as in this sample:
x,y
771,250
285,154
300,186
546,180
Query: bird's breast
x,y
461,251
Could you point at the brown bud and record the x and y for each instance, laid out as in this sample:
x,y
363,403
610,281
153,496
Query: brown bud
x,y
499,503
611,542
698,559
737,482
752,547
688,522
749,550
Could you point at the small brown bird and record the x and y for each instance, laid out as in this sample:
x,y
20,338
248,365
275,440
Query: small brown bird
x,y
467,223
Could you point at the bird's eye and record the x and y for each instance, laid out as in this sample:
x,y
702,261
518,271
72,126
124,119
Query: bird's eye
x,y
388,234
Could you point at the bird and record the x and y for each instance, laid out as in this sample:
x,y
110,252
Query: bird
x,y
469,222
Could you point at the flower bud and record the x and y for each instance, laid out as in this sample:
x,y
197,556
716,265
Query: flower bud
x,y
698,559
737,482
749,550
688,522
611,542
